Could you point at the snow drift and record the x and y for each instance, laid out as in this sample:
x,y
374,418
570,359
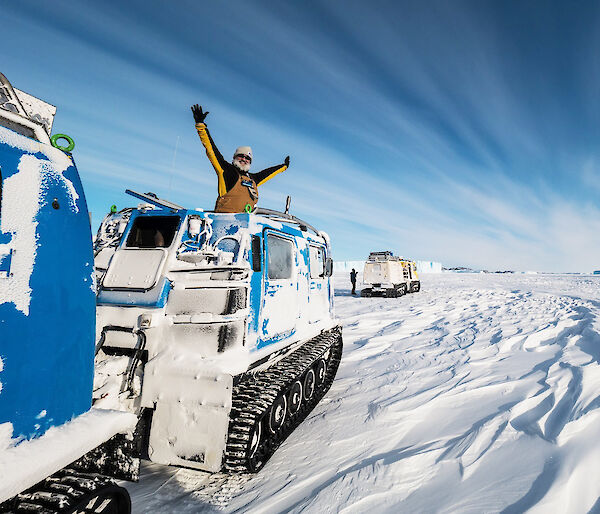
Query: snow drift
x,y
478,394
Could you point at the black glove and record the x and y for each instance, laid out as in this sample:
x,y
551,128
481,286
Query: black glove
x,y
198,114
287,161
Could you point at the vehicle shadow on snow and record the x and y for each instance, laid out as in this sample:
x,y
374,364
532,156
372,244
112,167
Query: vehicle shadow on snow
x,y
171,489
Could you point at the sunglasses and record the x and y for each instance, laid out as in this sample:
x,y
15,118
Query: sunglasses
x,y
243,156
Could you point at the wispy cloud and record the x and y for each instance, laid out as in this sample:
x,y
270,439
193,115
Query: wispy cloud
x,y
463,132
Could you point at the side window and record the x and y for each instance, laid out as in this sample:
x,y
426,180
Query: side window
x,y
279,257
317,261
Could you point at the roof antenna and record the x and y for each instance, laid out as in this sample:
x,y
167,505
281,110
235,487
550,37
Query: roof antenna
x,y
287,204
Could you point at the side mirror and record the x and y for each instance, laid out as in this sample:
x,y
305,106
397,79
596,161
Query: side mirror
x,y
328,267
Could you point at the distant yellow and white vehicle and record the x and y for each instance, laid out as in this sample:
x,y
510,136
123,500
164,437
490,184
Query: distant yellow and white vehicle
x,y
389,276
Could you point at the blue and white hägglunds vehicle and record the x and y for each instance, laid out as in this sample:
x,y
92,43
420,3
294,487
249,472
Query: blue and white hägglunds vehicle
x,y
216,330
47,318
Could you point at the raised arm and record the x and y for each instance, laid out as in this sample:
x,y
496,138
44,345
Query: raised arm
x,y
262,176
212,152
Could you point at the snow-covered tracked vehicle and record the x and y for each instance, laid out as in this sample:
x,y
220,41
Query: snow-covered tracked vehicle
x,y
390,276
47,316
217,330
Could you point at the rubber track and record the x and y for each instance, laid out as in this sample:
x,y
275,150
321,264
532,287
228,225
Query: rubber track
x,y
254,395
65,492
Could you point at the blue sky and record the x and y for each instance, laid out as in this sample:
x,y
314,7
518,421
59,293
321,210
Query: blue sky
x,y
463,132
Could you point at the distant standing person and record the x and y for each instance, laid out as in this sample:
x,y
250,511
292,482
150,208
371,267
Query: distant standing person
x,y
238,188
353,280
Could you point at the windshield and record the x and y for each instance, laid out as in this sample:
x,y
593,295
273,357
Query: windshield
x,y
153,231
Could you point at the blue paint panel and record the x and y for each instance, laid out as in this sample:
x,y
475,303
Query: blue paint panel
x,y
48,355
255,300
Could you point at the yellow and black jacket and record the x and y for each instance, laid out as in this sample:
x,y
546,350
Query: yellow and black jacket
x,y
237,190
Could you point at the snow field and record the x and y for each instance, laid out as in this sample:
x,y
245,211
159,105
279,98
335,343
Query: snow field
x,y
477,394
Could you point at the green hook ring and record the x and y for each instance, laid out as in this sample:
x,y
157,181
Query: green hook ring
x,y
248,208
69,139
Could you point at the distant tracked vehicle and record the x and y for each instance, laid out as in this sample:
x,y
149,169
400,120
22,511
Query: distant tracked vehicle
x,y
389,276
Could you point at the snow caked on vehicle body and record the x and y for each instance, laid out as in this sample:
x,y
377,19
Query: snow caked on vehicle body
x,y
217,330
387,275
47,316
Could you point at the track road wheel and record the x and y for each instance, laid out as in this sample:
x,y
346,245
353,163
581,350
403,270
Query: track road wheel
x,y
256,458
309,384
320,371
277,414
295,397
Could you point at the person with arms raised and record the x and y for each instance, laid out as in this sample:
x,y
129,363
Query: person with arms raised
x,y
237,187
